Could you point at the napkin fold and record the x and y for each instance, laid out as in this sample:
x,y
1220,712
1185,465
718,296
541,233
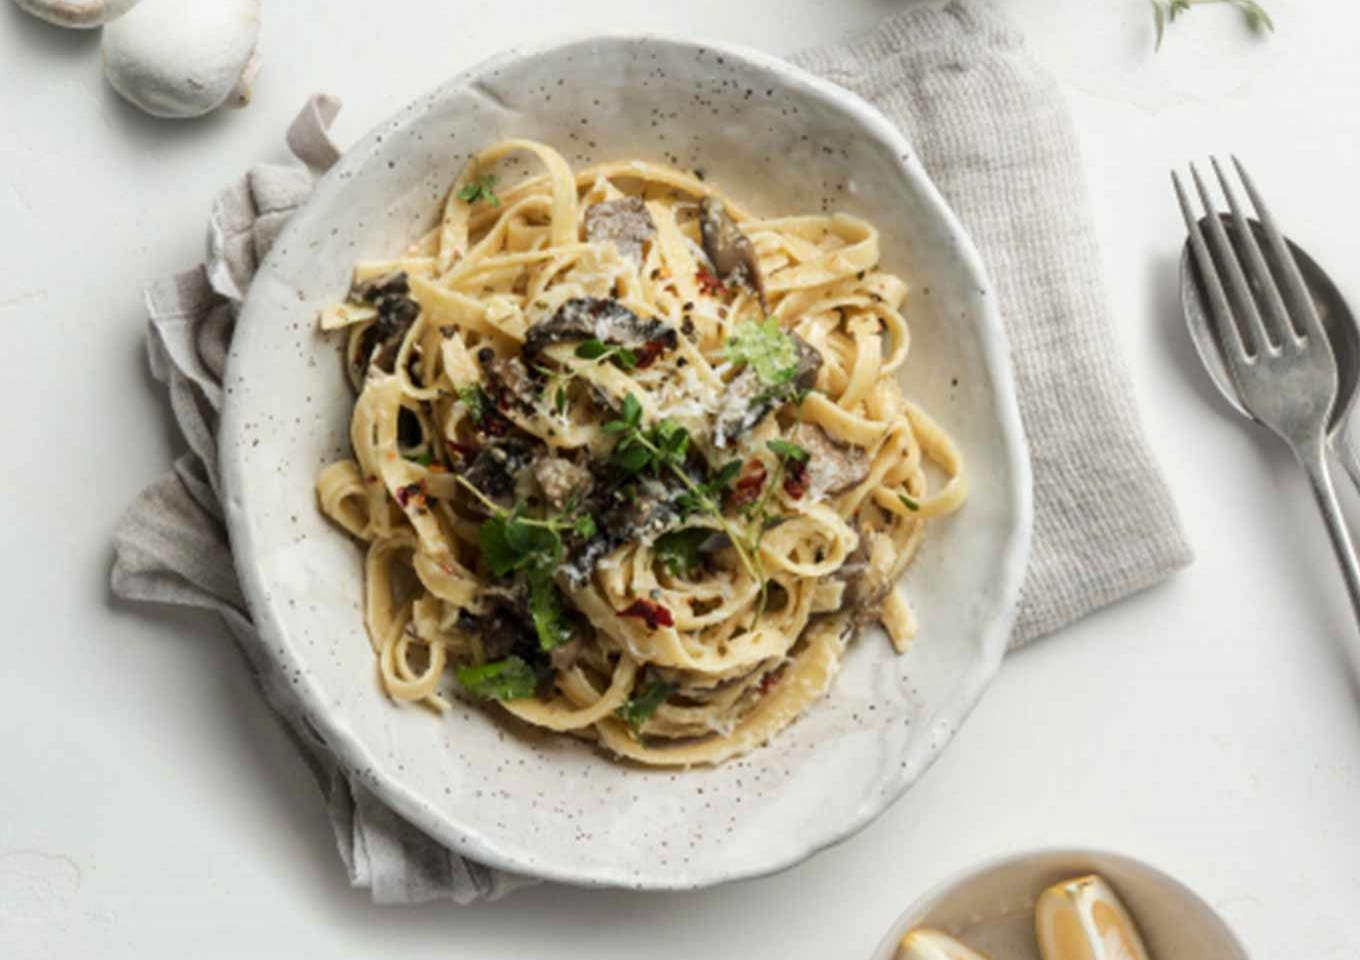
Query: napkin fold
x,y
992,130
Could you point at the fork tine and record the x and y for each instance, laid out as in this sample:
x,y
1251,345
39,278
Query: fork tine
x,y
1218,300
1278,317
1302,309
1227,259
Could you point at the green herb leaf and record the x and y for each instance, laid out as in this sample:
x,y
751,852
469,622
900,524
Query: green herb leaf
x,y
693,502
480,189
424,459
632,411
771,352
509,544
585,526
681,550
560,401
476,401
908,502
592,349
1165,12
788,451
636,711
671,441
551,622
631,458
508,679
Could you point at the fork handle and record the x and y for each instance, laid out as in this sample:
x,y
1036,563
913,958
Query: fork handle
x,y
1315,463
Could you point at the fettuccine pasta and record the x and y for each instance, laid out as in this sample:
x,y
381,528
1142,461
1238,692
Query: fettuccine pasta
x,y
630,460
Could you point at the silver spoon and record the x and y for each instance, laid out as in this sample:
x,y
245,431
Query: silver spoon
x,y
1337,320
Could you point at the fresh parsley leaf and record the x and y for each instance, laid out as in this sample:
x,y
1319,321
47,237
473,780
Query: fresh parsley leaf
x,y
509,544
681,550
585,526
636,711
788,451
476,401
480,189
551,622
770,351
908,502
508,679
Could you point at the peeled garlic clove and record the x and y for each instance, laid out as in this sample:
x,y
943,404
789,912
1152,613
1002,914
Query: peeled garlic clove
x,y
1083,919
183,58
81,14
926,944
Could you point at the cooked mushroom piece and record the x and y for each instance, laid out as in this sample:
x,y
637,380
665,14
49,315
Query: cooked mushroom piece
x,y
560,480
647,511
625,223
747,400
598,318
391,295
831,467
729,250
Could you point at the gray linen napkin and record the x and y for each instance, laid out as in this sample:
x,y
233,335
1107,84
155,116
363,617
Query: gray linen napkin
x,y
991,129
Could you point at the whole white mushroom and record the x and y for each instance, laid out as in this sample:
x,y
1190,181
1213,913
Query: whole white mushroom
x,y
183,58
81,14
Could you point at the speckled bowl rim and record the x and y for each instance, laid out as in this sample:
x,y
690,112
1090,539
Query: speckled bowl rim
x,y
465,838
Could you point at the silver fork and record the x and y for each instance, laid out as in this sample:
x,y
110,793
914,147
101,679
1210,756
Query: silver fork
x,y
1273,341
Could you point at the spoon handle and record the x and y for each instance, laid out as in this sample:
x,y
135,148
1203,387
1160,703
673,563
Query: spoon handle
x,y
1344,448
1315,463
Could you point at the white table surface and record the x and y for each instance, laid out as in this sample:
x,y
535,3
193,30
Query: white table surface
x,y
149,805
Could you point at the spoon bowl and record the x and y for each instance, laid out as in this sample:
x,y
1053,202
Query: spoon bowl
x,y
1335,314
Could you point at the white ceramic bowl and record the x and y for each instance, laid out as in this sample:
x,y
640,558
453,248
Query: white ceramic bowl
x,y
781,141
991,907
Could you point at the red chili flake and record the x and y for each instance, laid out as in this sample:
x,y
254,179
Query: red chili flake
x,y
493,425
647,353
795,479
747,488
769,680
709,284
653,614
412,493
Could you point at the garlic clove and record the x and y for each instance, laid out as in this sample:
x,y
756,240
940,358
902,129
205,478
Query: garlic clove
x,y
80,14
178,59
923,943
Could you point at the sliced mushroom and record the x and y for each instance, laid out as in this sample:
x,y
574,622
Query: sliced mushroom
x,y
174,58
509,382
729,250
831,467
496,468
625,223
390,294
747,400
649,511
80,14
597,318
560,480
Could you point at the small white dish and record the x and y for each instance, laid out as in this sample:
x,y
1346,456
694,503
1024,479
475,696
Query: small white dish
x,y
991,907
781,141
